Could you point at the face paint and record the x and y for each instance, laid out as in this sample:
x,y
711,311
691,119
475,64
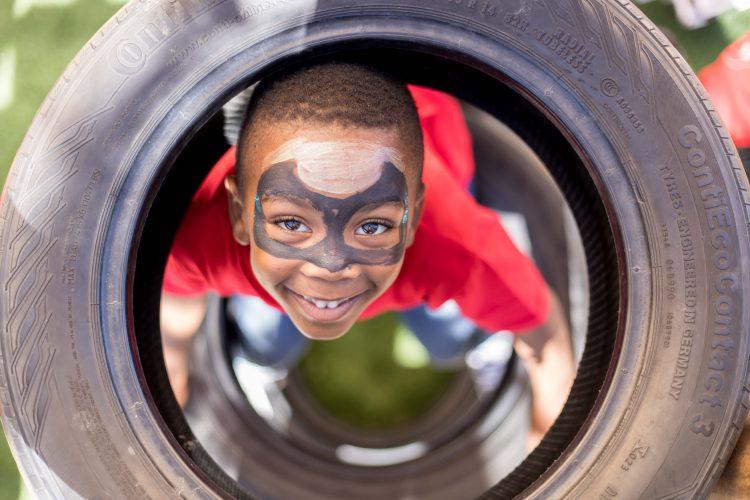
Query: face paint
x,y
332,252
336,167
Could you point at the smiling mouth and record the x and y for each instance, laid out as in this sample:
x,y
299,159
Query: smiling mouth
x,y
325,310
324,303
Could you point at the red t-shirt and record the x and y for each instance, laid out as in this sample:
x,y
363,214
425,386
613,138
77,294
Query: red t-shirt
x,y
727,81
460,249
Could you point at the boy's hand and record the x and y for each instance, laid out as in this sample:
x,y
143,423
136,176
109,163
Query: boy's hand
x,y
547,354
180,318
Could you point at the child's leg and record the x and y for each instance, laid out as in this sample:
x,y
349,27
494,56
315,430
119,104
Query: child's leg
x,y
444,332
270,337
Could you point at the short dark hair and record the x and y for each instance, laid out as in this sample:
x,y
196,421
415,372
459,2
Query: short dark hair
x,y
333,93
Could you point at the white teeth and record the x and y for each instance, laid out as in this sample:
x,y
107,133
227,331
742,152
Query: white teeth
x,y
324,304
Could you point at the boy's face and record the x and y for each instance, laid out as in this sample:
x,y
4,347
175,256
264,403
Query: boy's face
x,y
329,212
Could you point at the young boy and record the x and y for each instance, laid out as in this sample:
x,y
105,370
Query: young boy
x,y
330,216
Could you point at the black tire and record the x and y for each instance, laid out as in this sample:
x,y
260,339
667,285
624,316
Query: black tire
x,y
656,188
466,439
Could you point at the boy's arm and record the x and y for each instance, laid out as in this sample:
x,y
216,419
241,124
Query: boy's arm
x,y
179,317
547,354
494,284
480,267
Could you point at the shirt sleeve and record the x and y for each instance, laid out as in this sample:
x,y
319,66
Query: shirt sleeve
x,y
186,271
445,132
203,241
182,276
471,259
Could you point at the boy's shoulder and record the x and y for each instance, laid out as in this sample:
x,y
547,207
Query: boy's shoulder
x,y
205,256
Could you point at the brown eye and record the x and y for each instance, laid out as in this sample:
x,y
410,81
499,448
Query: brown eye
x,y
293,225
371,228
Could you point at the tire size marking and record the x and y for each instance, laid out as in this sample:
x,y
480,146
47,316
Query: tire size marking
x,y
487,9
517,21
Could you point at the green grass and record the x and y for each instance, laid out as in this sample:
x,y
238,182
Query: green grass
x,y
356,378
10,480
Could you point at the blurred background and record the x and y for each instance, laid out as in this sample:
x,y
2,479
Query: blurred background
x,y
39,37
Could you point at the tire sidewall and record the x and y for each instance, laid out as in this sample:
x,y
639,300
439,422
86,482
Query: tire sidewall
x,y
80,186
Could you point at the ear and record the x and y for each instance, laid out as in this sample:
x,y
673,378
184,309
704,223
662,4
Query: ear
x,y
236,211
416,211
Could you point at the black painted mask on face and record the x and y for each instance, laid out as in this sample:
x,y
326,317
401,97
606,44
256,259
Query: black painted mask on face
x,y
332,252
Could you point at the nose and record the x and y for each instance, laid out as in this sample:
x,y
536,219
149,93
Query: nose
x,y
330,273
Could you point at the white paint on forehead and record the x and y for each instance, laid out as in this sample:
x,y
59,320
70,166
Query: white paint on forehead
x,y
336,167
